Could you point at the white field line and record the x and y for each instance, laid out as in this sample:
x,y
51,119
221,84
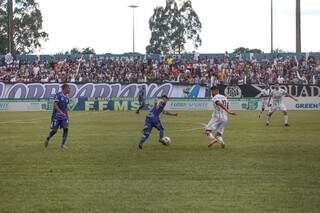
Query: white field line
x,y
18,122
33,121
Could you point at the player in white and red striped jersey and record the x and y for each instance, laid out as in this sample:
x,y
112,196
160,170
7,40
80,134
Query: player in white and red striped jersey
x,y
219,118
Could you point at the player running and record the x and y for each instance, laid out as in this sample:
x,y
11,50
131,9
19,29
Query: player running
x,y
60,118
153,121
277,103
264,95
142,99
219,118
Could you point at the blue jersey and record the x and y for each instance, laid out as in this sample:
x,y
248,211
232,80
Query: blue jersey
x,y
156,110
63,102
142,95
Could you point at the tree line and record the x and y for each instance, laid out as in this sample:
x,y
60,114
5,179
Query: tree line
x,y
172,27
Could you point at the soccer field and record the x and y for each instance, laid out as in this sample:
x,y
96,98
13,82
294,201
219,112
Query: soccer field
x,y
262,169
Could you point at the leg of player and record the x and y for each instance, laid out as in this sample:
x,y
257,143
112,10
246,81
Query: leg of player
x,y
161,133
54,128
261,111
140,107
145,134
269,118
219,139
64,125
212,125
219,131
51,134
211,138
285,115
64,138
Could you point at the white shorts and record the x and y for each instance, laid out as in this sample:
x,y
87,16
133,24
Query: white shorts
x,y
264,103
276,107
216,124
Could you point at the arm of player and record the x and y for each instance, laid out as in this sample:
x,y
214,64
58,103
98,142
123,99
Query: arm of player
x,y
290,96
55,105
220,104
170,113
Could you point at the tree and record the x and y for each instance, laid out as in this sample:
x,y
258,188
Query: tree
x,y
73,51
84,51
172,26
247,50
278,50
88,51
27,26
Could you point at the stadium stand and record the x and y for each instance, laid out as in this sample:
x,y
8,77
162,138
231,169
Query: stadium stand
x,y
188,69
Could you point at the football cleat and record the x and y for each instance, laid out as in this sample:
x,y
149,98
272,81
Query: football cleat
x,y
46,142
140,146
163,142
222,145
287,125
63,147
211,143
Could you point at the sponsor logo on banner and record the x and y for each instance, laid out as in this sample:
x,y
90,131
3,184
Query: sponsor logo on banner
x,y
90,90
294,90
303,103
192,91
308,106
233,92
185,104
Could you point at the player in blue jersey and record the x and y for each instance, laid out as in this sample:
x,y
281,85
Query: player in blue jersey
x,y
60,118
142,99
153,121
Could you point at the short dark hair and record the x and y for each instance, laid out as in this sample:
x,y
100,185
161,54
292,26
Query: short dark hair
x,y
165,96
214,87
63,86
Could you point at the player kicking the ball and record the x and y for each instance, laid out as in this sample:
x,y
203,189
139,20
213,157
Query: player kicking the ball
x,y
153,121
60,118
219,118
277,103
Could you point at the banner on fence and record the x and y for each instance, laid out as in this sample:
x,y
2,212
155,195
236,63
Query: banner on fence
x,y
90,90
129,104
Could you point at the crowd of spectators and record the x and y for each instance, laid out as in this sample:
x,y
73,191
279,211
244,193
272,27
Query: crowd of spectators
x,y
226,70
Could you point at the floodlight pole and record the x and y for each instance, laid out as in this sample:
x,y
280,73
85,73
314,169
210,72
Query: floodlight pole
x,y
271,26
133,36
298,27
10,26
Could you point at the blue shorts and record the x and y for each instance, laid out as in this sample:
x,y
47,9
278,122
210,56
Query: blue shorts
x,y
61,123
150,123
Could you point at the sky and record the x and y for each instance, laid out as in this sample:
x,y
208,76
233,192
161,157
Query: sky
x,y
106,25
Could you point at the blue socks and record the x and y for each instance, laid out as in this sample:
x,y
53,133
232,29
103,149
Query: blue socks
x,y
51,134
64,136
161,133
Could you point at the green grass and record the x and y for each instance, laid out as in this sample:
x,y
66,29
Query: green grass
x,y
262,169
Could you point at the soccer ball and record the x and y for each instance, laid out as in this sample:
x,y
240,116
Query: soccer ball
x,y
167,140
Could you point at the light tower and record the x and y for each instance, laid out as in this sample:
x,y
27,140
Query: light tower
x,y
298,27
133,36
